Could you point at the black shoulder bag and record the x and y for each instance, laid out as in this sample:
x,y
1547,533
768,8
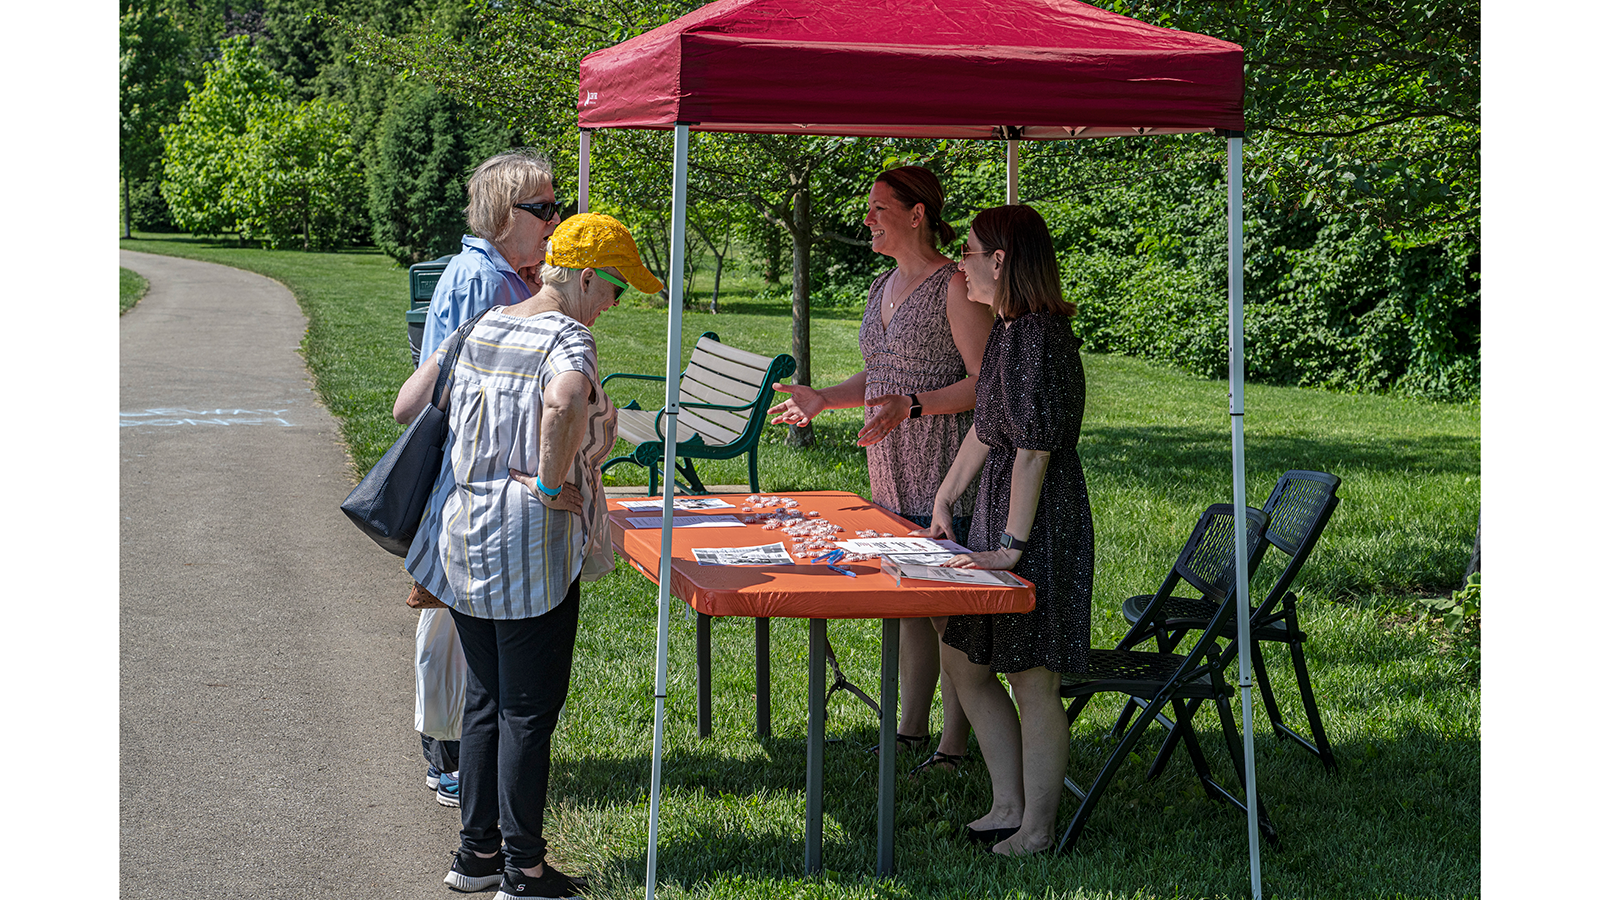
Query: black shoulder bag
x,y
388,503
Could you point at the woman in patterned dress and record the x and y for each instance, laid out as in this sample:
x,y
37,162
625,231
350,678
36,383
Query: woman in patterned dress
x,y
922,341
516,518
1032,516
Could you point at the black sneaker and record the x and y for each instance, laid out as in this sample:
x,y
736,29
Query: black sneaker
x,y
471,872
552,885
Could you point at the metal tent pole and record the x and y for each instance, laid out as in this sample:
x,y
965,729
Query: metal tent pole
x,y
669,460
1240,523
583,169
1013,195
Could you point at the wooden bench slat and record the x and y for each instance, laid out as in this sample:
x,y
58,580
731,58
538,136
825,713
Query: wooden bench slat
x,y
713,387
714,426
694,391
732,370
752,360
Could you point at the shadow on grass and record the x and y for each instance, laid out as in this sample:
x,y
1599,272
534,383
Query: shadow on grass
x,y
1154,454
1163,836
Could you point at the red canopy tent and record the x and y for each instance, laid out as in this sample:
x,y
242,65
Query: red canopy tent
x,y
986,69
954,68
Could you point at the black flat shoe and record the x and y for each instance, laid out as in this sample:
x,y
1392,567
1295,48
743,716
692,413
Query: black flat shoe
x,y
905,741
989,837
939,761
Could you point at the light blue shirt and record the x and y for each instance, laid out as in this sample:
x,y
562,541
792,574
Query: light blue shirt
x,y
476,279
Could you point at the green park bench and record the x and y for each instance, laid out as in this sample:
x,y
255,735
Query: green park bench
x,y
723,397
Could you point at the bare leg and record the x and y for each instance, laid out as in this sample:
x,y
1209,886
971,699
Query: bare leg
x,y
1044,733
953,740
919,673
995,720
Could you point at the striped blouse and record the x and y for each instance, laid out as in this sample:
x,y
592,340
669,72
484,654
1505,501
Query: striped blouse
x,y
486,546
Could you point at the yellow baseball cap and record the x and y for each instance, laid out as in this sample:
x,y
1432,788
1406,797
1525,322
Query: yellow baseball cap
x,y
591,240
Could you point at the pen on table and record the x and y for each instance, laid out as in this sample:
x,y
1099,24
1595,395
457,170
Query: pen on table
x,y
841,570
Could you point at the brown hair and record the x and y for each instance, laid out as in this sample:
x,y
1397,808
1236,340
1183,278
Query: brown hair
x,y
1030,279
498,182
913,185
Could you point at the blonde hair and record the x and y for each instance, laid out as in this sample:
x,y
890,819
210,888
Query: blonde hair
x,y
500,181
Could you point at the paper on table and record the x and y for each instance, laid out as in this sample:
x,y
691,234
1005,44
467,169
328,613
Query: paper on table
x,y
765,555
938,551
686,521
956,576
679,503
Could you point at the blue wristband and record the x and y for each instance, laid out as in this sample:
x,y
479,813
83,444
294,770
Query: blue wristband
x,y
544,490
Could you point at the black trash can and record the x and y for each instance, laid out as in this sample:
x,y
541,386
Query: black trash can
x,y
424,276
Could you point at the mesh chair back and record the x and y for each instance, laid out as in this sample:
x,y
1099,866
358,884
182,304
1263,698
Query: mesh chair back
x,y
1299,508
1207,561
1300,503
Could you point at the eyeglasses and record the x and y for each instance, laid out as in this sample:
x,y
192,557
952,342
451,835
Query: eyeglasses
x,y
967,253
621,285
545,211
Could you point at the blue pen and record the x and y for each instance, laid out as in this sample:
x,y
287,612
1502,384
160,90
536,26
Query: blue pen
x,y
841,570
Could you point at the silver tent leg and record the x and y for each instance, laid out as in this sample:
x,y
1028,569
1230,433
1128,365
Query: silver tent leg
x,y
1013,194
1241,560
583,169
669,460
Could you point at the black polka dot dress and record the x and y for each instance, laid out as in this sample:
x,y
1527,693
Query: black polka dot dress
x,y
1030,396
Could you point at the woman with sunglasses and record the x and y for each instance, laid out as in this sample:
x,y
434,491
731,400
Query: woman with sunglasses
x,y
516,519
512,210
1032,516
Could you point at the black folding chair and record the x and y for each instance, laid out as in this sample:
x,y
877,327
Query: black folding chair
x,y
1297,510
1162,677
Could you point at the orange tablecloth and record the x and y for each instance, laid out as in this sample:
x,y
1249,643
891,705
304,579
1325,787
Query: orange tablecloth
x,y
804,590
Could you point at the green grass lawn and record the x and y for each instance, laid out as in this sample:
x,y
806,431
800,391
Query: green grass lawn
x,y
1399,695
132,287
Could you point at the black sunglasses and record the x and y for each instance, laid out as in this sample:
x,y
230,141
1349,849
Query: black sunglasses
x,y
545,211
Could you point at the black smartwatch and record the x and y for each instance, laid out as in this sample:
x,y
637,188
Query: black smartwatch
x,y
916,407
1007,542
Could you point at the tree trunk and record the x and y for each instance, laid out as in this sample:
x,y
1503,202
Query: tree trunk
x,y
800,237
127,210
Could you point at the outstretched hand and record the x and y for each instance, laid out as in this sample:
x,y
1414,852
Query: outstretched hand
x,y
802,406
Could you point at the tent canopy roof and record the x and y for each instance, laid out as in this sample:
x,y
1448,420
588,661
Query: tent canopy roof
x,y
1036,69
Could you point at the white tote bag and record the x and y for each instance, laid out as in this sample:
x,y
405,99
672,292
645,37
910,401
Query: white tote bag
x,y
441,676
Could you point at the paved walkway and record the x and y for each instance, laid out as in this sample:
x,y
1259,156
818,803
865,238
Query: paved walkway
x,y
266,742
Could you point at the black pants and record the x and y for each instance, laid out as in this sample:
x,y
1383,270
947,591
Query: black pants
x,y
519,670
441,755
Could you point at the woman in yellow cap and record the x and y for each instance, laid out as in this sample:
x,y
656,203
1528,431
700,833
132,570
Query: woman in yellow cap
x,y
515,518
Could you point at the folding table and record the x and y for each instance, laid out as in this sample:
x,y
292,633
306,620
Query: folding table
x,y
816,593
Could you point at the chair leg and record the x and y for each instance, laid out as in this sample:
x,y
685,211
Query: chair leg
x,y
1264,684
754,487
655,478
1169,743
1103,779
686,469
1322,749
1230,732
1074,708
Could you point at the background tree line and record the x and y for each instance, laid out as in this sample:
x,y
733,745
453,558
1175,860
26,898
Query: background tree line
x,y
318,123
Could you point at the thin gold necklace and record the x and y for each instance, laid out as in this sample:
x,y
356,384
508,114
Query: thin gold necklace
x,y
893,303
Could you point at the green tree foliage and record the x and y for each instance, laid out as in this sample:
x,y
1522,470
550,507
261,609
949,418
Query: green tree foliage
x,y
425,150
152,56
245,157
297,182
204,148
